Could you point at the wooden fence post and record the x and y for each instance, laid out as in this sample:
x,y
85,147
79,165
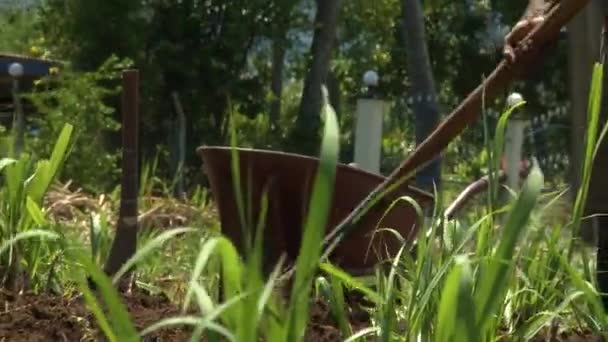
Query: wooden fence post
x,y
125,241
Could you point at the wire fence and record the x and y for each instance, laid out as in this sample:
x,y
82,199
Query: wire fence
x,y
18,4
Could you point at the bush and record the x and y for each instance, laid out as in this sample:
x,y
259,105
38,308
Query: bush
x,y
81,99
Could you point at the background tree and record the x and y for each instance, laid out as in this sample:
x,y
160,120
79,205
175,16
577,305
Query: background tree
x,y
422,85
308,121
264,62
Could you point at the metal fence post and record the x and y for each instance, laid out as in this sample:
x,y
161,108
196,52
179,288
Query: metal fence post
x,y
15,70
368,133
514,139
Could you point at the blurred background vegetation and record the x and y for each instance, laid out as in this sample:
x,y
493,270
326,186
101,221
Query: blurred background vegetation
x,y
253,60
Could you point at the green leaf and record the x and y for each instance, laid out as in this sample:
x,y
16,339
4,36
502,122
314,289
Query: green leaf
x,y
236,183
47,170
35,212
591,148
117,313
201,261
456,319
350,282
315,225
232,275
494,278
147,249
251,312
30,234
59,153
4,162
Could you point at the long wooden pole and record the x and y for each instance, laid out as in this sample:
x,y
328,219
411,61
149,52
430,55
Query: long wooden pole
x,y
125,241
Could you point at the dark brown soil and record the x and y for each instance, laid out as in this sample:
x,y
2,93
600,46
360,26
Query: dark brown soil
x,y
34,318
31,317
41,318
322,326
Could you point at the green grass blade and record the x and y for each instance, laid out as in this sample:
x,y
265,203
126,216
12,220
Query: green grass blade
x,y
117,313
419,304
274,327
361,334
446,322
47,170
456,318
147,249
593,113
236,183
30,234
251,314
60,150
35,212
494,277
388,313
4,162
201,261
204,301
592,297
232,274
100,317
314,226
350,282
338,306
269,287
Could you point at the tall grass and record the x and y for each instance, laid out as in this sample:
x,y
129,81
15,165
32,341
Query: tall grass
x,y
25,183
513,282
485,280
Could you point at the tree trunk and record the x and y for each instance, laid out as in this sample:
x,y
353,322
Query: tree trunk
x,y
278,61
305,135
422,88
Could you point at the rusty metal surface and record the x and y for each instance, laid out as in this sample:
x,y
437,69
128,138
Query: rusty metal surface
x,y
469,193
478,187
289,179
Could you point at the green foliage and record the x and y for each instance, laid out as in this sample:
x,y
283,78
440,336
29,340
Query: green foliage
x,y
25,183
81,98
189,47
90,32
19,30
